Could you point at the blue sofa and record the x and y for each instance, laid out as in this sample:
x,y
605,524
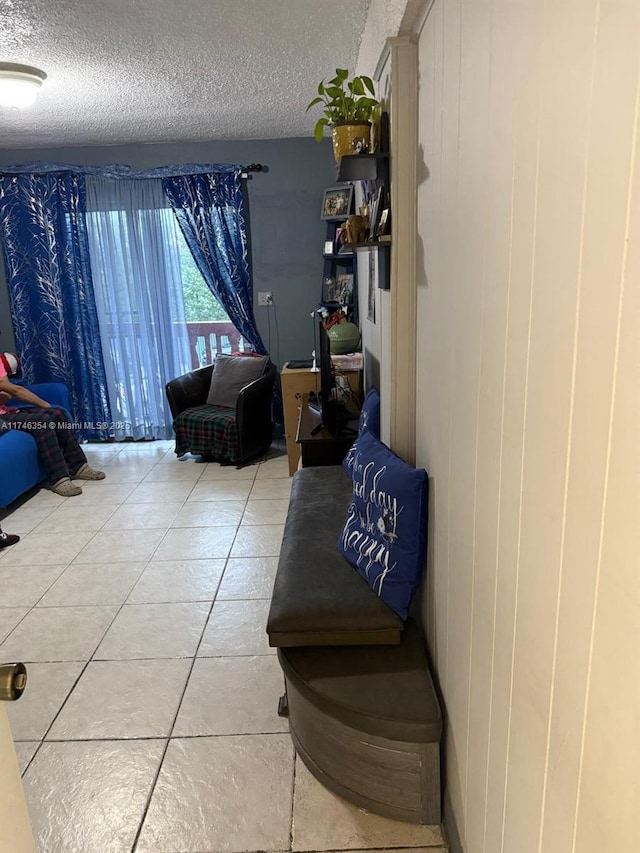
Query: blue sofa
x,y
19,466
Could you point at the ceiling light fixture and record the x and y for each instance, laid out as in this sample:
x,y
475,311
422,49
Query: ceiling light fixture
x,y
19,84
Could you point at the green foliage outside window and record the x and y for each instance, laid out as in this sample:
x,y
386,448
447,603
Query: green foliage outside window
x,y
200,305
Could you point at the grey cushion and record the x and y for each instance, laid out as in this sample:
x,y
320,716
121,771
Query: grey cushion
x,y
318,598
230,375
386,692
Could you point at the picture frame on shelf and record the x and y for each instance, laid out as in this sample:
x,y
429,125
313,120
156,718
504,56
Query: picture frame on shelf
x,y
330,289
344,288
384,223
328,247
337,202
375,211
342,247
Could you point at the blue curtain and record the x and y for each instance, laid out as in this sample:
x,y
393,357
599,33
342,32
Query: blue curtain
x,y
210,211
43,229
133,240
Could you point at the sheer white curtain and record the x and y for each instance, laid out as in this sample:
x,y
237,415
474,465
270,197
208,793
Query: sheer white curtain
x,y
139,297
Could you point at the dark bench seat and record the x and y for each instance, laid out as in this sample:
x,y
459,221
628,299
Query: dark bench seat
x,y
318,599
363,713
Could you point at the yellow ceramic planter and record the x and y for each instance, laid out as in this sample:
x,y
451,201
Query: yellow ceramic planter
x,y
346,134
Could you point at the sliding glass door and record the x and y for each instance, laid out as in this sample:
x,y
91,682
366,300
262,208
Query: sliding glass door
x,y
138,287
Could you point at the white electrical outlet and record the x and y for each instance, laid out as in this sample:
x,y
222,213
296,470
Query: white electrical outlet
x,y
265,298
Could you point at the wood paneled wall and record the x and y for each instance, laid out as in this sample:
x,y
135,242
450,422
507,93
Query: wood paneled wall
x,y
528,414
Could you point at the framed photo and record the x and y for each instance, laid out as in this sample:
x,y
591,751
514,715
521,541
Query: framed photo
x,y
328,247
330,293
383,223
342,248
336,201
344,287
375,210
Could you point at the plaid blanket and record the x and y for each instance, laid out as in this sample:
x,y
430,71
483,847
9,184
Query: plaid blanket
x,y
207,430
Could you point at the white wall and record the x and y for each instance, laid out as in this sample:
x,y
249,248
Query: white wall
x,y
528,415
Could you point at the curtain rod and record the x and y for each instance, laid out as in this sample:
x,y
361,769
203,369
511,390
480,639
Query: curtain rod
x,y
117,170
255,167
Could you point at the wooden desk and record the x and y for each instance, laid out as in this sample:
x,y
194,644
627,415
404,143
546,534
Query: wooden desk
x,y
321,448
294,384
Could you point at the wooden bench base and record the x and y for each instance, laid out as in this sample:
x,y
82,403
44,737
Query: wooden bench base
x,y
392,778
349,729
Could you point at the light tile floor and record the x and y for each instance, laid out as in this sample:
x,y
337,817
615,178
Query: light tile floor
x,y
149,723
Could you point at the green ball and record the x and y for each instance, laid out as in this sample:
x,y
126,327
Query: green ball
x,y
344,338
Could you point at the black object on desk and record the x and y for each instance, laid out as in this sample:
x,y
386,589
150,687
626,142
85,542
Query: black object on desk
x,y
302,364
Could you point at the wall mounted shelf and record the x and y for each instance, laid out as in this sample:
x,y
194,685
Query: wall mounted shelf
x,y
339,273
371,244
364,167
374,170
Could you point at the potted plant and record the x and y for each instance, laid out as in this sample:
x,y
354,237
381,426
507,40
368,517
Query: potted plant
x,y
348,110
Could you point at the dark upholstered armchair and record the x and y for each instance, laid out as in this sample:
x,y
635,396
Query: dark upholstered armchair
x,y
219,433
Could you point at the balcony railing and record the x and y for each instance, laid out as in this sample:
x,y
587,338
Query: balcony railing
x,y
207,340
128,346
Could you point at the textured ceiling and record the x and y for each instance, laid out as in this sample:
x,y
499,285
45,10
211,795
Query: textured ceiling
x,y
164,70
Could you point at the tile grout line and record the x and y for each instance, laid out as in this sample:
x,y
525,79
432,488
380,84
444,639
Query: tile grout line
x,y
147,565
293,794
151,737
179,657
181,700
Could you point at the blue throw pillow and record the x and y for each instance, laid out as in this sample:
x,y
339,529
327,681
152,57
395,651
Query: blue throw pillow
x,y
370,413
369,421
385,532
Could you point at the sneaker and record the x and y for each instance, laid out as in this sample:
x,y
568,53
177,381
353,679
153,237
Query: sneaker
x,y
7,539
66,488
87,473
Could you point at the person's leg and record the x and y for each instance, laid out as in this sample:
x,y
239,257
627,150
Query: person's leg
x,y
74,456
43,430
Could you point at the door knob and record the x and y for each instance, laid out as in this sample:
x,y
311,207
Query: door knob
x,y
13,680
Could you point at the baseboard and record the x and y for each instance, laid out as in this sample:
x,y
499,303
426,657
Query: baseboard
x,y
450,825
